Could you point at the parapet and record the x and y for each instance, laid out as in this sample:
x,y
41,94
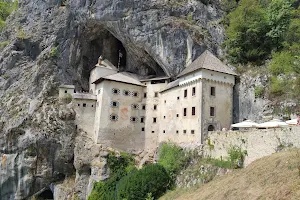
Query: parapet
x,y
67,86
84,96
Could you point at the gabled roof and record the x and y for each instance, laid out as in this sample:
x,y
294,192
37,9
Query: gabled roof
x,y
207,61
123,77
171,85
106,64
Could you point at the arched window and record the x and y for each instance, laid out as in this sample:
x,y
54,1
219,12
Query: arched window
x,y
211,128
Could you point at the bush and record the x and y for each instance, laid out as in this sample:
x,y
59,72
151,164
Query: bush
x,y
54,52
172,158
258,91
152,179
5,9
237,156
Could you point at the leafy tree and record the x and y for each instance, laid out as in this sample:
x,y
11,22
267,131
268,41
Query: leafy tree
x,y
152,179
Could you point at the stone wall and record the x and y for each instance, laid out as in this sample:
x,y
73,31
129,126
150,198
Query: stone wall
x,y
258,143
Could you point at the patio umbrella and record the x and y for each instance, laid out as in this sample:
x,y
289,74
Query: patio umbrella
x,y
275,123
245,124
292,122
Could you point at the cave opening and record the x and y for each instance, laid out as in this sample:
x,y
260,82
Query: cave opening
x,y
125,55
46,195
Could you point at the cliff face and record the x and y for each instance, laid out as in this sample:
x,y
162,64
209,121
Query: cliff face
x,y
55,42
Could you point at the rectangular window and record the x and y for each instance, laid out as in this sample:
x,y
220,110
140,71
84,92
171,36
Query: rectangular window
x,y
212,91
185,93
192,131
144,107
165,101
145,95
135,94
154,119
156,94
184,131
212,111
177,132
194,91
193,110
184,112
142,119
84,105
66,91
143,129
177,98
155,107
164,131
177,115
152,131
133,119
164,117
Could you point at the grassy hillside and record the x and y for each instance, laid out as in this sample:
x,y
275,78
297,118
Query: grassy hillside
x,y
273,177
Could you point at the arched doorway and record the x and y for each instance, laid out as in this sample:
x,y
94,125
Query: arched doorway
x,y
211,128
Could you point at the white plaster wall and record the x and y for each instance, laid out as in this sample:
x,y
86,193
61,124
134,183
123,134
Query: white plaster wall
x,y
222,101
63,94
152,129
99,72
85,115
171,106
258,143
122,134
207,74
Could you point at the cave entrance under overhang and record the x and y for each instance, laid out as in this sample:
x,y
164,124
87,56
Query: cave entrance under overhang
x,y
45,195
123,54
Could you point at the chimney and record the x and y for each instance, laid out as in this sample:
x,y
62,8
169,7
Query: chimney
x,y
100,60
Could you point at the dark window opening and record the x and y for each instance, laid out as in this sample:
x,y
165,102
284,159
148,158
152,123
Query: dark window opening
x,y
114,117
164,131
135,94
143,129
74,91
126,92
212,111
135,106
184,131
164,117
145,95
177,115
66,91
194,91
133,119
47,194
211,128
154,119
192,131
184,112
185,93
144,107
78,104
212,91
114,104
193,110
165,101
156,94
177,132
84,105
155,107
152,131
177,98
92,105
142,119
114,91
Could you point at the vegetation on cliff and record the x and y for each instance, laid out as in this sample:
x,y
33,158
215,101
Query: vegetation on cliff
x,y
261,30
6,7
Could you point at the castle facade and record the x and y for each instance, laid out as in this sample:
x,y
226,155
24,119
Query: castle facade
x,y
126,112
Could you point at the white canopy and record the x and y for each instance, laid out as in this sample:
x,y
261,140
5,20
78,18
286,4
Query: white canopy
x,y
292,122
275,123
245,124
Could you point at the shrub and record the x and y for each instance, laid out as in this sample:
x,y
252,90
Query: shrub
x,y
220,163
237,156
172,158
152,179
6,8
258,91
54,52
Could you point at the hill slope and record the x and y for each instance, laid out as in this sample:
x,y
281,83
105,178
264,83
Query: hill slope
x,y
272,177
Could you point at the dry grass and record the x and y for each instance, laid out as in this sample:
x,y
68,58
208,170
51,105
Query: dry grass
x,y
275,177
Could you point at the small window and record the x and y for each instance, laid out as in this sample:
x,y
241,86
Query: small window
x,y
177,115
99,91
152,131
212,91
133,119
74,91
142,119
66,91
156,94
92,106
84,105
135,106
115,91
177,132
143,129
126,93
194,91
113,117
155,107
165,101
78,104
145,95
184,112
154,119
164,117
212,111
192,131
144,107
211,128
114,104
185,93
178,98
193,111
135,94
184,131
164,131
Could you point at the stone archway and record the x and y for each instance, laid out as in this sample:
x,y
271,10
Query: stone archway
x,y
211,128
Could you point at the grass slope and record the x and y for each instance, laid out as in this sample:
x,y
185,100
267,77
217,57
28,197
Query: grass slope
x,y
274,177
